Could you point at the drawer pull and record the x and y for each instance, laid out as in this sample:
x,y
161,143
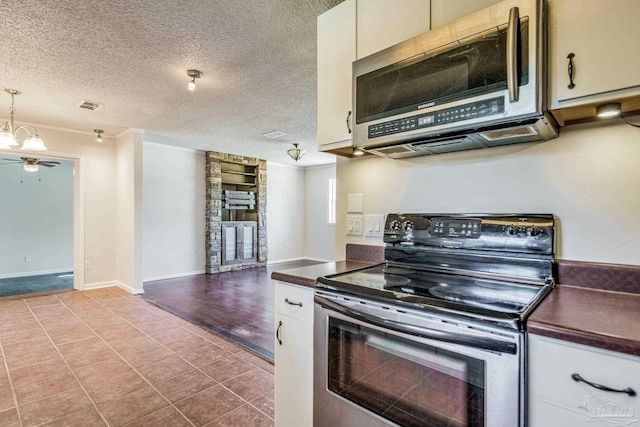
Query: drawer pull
x,y
292,303
628,390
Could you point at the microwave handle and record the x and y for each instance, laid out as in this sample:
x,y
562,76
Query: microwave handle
x,y
461,339
513,33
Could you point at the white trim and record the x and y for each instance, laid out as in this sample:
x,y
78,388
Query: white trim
x,y
318,259
284,165
35,273
173,147
322,166
101,285
173,276
130,130
59,129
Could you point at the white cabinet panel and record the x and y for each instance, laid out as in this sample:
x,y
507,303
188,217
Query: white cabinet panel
x,y
293,356
445,11
555,399
336,53
604,38
383,23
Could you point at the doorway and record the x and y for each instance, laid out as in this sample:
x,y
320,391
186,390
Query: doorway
x,y
37,194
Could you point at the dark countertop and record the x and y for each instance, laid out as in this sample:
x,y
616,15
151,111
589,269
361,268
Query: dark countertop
x,y
306,276
594,317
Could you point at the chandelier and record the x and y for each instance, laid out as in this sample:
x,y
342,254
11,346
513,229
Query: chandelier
x,y
296,153
9,134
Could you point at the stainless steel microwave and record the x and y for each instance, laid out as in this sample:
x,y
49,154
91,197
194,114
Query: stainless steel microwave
x,y
477,82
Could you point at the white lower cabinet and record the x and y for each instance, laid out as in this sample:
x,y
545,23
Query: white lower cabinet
x,y
556,399
293,355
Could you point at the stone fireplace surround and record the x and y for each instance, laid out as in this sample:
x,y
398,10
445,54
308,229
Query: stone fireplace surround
x,y
213,215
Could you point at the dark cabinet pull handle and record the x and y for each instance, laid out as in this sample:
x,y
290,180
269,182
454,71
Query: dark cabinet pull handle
x,y
292,303
628,390
570,70
278,332
348,127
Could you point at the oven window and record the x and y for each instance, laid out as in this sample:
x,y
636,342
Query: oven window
x,y
408,383
476,67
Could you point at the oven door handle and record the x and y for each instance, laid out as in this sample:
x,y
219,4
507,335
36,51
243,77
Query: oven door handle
x,y
461,339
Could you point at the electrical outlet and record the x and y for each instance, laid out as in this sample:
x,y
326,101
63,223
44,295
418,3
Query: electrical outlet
x,y
373,225
354,225
27,258
87,265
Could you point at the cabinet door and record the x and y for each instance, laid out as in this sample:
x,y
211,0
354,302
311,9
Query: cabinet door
x,y
556,399
336,52
383,23
604,38
247,245
293,372
229,244
445,11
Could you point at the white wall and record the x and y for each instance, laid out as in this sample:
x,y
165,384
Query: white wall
x,y
174,211
285,212
319,236
96,168
128,211
36,210
589,177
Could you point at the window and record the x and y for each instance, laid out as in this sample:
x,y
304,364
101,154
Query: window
x,y
332,202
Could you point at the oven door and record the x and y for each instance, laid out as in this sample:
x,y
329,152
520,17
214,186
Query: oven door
x,y
367,372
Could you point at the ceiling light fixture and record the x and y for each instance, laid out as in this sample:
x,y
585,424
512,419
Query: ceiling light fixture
x,y
9,134
194,74
608,110
296,153
99,132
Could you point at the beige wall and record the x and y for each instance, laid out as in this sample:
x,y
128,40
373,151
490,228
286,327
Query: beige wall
x,y
96,169
589,177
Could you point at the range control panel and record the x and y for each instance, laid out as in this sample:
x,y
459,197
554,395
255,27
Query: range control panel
x,y
468,111
509,232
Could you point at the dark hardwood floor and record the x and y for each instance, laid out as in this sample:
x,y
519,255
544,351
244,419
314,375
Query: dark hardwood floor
x,y
237,305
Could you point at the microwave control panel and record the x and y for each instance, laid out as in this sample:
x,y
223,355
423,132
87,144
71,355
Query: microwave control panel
x,y
472,110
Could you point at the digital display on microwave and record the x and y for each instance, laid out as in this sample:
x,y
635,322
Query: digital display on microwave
x,y
460,113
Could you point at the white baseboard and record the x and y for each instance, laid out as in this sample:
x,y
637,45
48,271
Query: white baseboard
x,y
318,259
173,276
100,285
35,273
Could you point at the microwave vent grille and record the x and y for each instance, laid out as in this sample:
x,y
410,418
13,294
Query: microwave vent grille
x,y
514,132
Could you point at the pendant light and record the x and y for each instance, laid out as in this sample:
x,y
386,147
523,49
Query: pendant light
x,y
9,134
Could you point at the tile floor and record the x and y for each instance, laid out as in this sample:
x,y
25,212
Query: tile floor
x,y
104,357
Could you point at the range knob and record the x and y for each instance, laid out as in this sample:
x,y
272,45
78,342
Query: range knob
x,y
407,225
511,230
533,231
394,225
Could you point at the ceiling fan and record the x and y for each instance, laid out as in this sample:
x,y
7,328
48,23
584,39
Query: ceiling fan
x,y
30,164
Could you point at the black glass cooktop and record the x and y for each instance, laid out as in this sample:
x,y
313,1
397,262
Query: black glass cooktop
x,y
458,292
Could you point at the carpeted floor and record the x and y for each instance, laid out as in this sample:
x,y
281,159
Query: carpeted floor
x,y
36,284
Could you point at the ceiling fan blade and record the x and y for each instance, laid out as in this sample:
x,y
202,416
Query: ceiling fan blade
x,y
46,165
12,163
13,160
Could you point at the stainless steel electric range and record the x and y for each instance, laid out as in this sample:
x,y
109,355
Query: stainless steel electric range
x,y
434,336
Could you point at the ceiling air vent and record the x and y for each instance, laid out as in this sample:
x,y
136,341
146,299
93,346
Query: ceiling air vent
x,y
90,105
273,135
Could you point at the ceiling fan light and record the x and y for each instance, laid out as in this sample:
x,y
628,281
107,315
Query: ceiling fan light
x,y
33,143
30,167
192,85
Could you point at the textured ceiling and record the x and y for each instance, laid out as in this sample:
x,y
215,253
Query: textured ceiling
x,y
258,60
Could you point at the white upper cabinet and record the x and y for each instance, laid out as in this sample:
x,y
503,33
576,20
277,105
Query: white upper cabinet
x,y
336,52
445,11
352,30
603,37
383,23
